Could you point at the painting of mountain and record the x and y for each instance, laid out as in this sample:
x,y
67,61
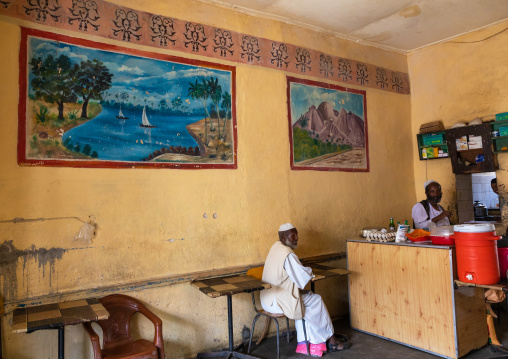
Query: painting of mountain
x,y
327,126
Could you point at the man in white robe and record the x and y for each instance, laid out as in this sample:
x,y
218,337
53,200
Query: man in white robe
x,y
429,213
288,278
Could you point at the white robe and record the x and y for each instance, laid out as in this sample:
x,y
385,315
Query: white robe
x,y
318,323
420,216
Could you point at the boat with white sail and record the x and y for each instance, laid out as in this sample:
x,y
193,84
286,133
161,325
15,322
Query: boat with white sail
x,y
144,120
120,115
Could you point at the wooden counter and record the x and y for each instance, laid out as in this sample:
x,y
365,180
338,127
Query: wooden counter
x,y
405,292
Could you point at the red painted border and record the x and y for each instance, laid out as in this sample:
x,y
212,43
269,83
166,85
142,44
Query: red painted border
x,y
23,80
333,87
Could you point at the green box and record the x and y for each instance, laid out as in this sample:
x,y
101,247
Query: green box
x,y
430,152
502,117
433,139
503,131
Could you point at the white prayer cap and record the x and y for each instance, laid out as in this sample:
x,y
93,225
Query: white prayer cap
x,y
285,227
428,182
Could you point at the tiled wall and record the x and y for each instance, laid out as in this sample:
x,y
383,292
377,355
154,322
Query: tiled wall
x,y
482,191
465,210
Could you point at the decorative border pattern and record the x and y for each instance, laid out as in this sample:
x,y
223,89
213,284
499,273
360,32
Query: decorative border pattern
x,y
103,19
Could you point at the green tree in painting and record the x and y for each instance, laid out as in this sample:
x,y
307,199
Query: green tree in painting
x,y
226,105
215,95
163,105
303,121
92,79
198,92
54,80
176,103
204,99
124,96
87,149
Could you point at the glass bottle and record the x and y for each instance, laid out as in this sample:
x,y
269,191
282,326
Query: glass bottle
x,y
391,226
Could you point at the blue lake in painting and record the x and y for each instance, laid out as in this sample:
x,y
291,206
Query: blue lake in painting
x,y
125,140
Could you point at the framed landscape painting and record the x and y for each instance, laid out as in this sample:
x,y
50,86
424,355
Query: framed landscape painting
x,y
88,104
327,127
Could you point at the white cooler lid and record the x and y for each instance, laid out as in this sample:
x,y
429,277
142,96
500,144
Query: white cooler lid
x,y
474,228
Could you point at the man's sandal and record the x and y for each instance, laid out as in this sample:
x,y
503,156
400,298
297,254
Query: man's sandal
x,y
335,348
341,337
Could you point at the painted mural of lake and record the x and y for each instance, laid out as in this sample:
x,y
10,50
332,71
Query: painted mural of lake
x,y
126,140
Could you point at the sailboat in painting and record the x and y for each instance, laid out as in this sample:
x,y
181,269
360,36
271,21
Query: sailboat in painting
x,y
120,115
144,119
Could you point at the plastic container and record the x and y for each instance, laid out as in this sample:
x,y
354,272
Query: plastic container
x,y
477,255
442,235
503,261
502,116
418,235
430,139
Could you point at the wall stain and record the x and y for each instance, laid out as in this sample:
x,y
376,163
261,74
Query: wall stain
x,y
411,11
9,257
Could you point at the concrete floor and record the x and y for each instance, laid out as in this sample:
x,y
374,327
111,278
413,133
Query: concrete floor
x,y
368,346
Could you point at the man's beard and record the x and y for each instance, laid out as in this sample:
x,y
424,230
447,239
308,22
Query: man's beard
x,y
434,199
288,243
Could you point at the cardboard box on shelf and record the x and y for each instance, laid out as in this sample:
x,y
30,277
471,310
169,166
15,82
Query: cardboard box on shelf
x,y
502,116
433,139
434,126
475,142
461,143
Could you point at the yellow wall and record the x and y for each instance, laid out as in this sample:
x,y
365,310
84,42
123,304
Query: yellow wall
x,y
453,82
138,211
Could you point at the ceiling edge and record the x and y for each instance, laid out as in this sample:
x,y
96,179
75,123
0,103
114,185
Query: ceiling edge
x,y
289,21
409,52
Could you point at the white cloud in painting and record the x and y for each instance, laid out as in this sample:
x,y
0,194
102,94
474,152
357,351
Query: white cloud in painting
x,y
82,57
132,70
197,72
49,48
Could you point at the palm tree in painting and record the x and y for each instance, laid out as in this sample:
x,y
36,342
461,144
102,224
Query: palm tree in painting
x,y
197,92
204,98
215,95
226,105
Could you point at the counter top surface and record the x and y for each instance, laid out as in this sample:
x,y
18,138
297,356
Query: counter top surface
x,y
426,244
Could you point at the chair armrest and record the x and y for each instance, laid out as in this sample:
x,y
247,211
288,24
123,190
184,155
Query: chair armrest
x,y
94,338
158,340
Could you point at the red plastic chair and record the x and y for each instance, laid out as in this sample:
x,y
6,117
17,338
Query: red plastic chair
x,y
117,340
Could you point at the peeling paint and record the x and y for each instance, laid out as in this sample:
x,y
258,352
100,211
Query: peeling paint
x,y
9,256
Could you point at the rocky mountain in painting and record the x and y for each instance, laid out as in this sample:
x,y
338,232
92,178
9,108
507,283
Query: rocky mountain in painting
x,y
329,125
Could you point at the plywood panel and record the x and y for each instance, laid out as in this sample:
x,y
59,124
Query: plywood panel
x,y
471,319
403,293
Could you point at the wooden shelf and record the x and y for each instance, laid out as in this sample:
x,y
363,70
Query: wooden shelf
x,y
499,142
441,146
465,161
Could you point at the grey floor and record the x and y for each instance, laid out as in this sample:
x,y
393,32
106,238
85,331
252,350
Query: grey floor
x,y
368,346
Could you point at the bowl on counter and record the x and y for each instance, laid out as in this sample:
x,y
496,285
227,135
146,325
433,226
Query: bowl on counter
x,y
418,235
442,235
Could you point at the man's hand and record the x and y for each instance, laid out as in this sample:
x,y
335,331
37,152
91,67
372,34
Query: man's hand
x,y
444,214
